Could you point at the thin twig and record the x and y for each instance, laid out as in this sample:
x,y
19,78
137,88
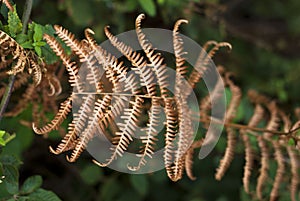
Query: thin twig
x,y
6,96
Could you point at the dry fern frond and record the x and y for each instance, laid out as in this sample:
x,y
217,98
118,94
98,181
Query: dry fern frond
x,y
120,101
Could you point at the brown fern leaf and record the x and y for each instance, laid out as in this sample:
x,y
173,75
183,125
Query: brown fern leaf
x,y
149,140
54,85
156,60
274,121
293,156
294,170
36,70
231,139
189,158
71,67
10,47
72,42
89,132
170,139
181,68
249,152
142,88
65,108
127,128
137,60
279,172
264,167
78,123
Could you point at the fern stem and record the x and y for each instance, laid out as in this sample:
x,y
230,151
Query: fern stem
x,y
246,127
9,88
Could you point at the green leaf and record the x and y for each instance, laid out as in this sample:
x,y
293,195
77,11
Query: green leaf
x,y
11,178
30,30
21,38
39,43
31,184
23,198
48,29
139,183
49,55
2,133
27,44
43,195
38,33
9,160
6,138
38,50
91,174
14,23
148,6
2,142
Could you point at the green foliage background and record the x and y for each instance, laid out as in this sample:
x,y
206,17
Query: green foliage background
x,y
266,41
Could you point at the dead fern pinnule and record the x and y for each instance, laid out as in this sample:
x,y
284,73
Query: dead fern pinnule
x,y
231,138
265,158
257,116
294,157
279,172
65,108
156,60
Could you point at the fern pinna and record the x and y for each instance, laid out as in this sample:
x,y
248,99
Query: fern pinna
x,y
144,91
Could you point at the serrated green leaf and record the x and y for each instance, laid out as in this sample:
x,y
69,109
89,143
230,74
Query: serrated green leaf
x,y
43,195
148,6
23,198
38,50
31,184
9,160
48,29
14,23
30,30
11,178
38,33
27,45
140,183
49,56
21,38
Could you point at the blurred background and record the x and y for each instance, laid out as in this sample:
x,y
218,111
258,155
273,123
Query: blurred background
x,y
265,36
